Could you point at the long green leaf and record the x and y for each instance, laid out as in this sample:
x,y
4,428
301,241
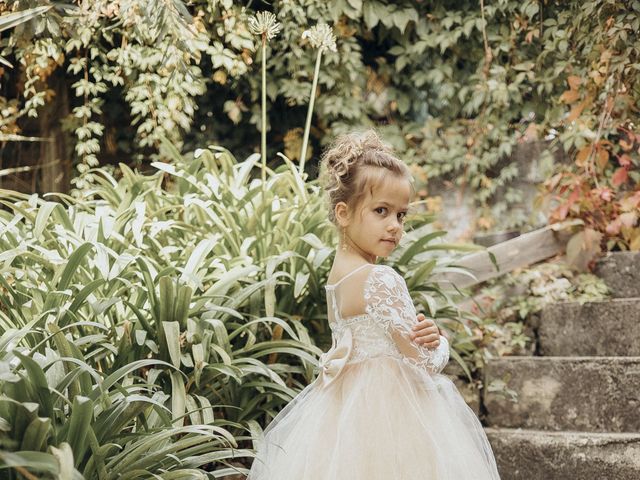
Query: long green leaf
x,y
79,424
11,20
36,435
172,336
32,461
37,378
418,246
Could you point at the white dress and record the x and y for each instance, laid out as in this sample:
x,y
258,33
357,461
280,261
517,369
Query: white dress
x,y
379,408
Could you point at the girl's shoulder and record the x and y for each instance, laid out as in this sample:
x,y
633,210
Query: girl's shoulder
x,y
340,273
364,273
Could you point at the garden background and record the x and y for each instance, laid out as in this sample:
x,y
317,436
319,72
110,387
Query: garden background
x,y
163,304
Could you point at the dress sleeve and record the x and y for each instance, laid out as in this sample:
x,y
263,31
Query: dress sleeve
x,y
388,301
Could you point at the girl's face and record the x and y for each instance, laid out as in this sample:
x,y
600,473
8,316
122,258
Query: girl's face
x,y
376,229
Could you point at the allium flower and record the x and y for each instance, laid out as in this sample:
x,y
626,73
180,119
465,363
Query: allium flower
x,y
321,36
264,23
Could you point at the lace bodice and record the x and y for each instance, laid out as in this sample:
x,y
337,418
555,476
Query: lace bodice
x,y
384,328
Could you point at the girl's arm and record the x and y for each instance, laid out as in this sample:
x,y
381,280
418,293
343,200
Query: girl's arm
x,y
387,300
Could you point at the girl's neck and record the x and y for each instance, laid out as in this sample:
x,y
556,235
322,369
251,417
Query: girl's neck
x,y
354,250
350,256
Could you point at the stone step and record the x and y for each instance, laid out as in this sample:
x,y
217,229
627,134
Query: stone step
x,y
604,328
621,272
592,394
540,455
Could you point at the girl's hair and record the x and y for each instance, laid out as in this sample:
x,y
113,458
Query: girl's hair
x,y
346,168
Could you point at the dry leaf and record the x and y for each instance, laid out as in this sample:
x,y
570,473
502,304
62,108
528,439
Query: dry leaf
x,y
603,158
575,112
569,96
531,133
583,155
629,219
634,244
631,202
613,228
574,82
626,146
583,247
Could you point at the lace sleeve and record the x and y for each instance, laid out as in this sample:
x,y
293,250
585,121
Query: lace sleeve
x,y
388,301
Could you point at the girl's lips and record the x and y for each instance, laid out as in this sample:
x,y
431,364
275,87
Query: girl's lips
x,y
389,241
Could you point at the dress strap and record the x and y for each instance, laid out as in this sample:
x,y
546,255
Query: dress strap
x,y
348,274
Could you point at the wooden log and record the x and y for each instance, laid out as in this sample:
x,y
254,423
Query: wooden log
x,y
527,249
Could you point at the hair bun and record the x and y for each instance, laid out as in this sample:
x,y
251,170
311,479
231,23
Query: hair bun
x,y
346,151
340,166
348,156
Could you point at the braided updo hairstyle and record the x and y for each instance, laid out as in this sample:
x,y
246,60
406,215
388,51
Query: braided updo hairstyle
x,y
356,162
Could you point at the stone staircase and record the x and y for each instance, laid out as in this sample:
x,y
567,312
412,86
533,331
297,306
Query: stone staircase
x,y
578,411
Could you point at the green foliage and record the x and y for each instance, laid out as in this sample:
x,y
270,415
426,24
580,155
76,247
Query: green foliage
x,y
168,268
508,303
457,86
190,279
63,416
12,19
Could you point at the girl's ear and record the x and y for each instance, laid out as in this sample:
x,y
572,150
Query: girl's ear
x,y
342,214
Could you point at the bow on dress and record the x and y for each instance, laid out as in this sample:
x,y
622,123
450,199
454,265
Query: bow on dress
x,y
333,361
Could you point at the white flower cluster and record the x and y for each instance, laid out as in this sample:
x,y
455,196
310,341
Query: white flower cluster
x,y
264,23
321,36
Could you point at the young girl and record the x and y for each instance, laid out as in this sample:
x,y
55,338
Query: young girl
x,y
379,408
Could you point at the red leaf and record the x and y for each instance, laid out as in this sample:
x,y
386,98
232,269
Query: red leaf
x,y
604,193
619,177
624,160
573,197
561,212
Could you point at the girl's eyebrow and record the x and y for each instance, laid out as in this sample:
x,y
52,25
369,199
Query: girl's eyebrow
x,y
391,204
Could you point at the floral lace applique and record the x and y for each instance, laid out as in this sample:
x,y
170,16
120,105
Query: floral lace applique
x,y
370,339
388,303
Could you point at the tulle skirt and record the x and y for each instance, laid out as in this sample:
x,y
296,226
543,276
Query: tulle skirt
x,y
379,419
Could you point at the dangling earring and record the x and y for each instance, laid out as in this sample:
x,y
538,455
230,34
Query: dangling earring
x,y
344,239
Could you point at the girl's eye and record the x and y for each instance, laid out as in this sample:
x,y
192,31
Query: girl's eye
x,y
402,215
380,208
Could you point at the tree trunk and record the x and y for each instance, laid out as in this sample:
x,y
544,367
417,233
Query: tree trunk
x,y
55,160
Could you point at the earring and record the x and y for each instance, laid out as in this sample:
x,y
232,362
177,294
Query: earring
x,y
344,239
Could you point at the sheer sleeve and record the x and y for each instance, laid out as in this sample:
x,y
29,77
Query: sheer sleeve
x,y
388,301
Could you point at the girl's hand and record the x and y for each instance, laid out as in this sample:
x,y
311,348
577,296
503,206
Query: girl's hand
x,y
426,332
